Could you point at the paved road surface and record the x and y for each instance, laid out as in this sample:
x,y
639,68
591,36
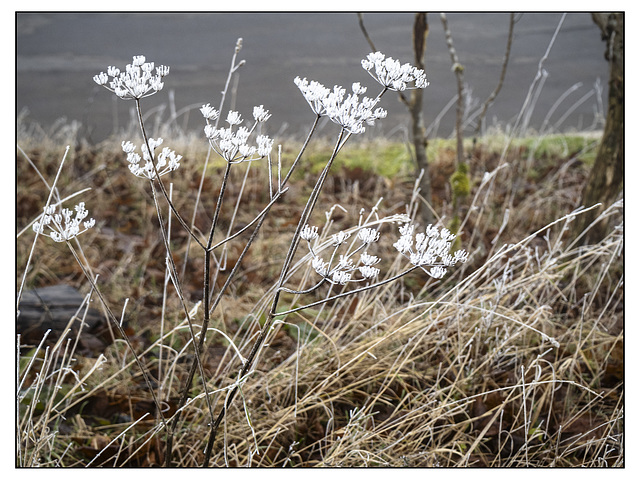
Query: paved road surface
x,y
58,54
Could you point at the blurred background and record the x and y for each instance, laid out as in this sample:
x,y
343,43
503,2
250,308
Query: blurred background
x,y
59,53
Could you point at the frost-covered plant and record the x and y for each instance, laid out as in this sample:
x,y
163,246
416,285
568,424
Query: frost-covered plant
x,y
63,226
430,249
136,81
350,112
238,142
167,160
233,145
342,271
389,73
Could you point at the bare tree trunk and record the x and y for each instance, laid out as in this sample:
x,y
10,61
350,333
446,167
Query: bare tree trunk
x,y
414,105
459,180
458,69
605,180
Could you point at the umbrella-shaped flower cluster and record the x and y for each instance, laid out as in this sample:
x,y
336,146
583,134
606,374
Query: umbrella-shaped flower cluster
x,y
232,142
166,161
63,226
392,75
138,79
350,111
342,271
429,249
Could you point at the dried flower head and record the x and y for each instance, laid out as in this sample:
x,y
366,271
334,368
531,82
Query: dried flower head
x,y
167,160
62,226
340,277
350,112
390,74
137,80
342,272
430,248
231,143
209,112
309,233
234,118
260,114
339,238
320,266
368,271
314,93
368,260
368,235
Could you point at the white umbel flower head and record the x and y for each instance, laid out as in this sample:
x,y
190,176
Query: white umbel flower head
x,y
345,263
309,233
63,226
390,74
429,249
320,266
340,277
209,112
166,161
339,238
368,235
368,272
350,112
231,143
136,81
358,89
261,115
368,260
265,145
234,118
314,93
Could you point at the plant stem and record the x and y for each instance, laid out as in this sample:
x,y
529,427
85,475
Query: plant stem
x,y
345,294
120,329
173,271
162,187
342,137
33,246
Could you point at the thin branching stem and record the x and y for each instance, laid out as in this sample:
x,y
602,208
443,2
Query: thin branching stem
x,y
120,329
304,218
249,361
287,263
35,240
174,274
199,345
344,294
232,70
157,176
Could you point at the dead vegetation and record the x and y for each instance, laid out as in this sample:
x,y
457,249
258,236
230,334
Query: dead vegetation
x,y
514,359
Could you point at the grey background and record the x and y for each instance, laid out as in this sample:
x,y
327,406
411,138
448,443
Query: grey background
x,y
58,54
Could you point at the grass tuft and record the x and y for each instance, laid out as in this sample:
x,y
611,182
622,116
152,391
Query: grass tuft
x,y
515,359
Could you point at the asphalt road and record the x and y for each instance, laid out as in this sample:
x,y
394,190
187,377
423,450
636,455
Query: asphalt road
x,y
58,54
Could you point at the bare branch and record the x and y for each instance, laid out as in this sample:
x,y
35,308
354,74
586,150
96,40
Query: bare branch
x,y
490,99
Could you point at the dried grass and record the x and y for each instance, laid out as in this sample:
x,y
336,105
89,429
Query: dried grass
x,y
513,360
